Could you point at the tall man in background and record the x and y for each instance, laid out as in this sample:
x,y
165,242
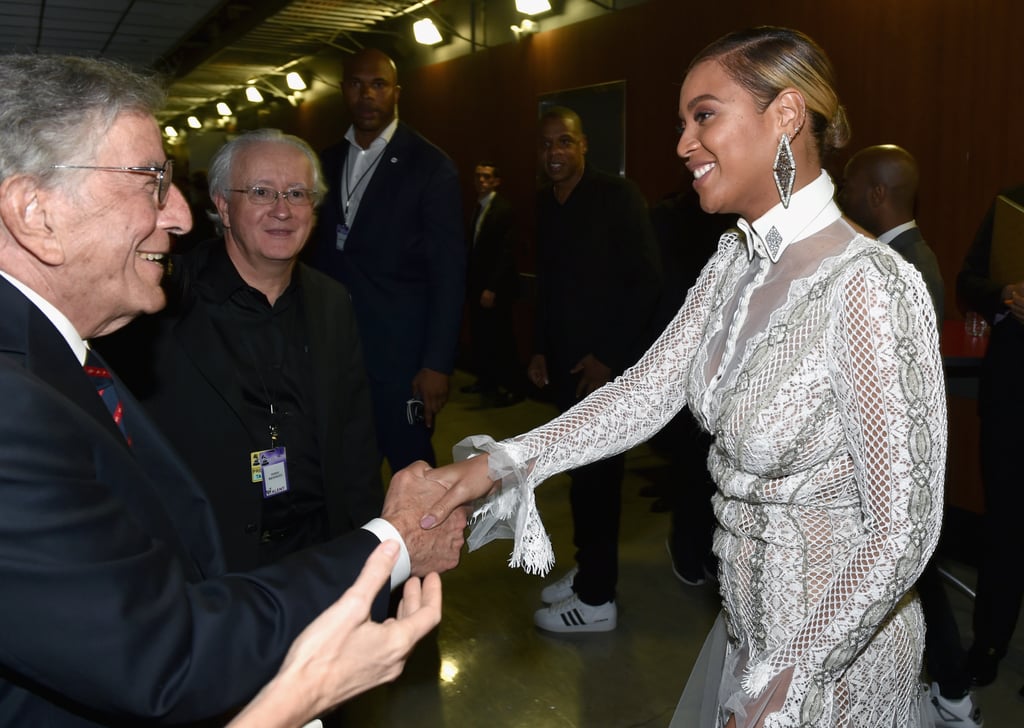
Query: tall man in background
x,y
598,280
390,229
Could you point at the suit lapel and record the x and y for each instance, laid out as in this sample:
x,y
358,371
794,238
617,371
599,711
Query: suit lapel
x,y
376,199
195,334
323,363
167,513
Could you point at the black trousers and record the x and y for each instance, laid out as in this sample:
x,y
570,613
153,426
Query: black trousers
x,y
1001,568
495,353
595,497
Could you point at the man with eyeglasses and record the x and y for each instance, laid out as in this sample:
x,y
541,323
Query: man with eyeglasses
x,y
254,370
117,606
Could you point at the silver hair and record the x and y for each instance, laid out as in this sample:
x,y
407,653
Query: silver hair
x,y
58,109
223,160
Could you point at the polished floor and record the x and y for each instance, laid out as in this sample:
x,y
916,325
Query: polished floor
x,y
489,667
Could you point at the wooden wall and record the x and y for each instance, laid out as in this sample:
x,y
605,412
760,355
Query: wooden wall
x,y
942,78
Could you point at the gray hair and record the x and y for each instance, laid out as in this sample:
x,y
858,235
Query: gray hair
x,y
223,160
58,109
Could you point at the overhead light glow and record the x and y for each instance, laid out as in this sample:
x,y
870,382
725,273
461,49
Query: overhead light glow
x,y
532,7
194,122
223,109
170,131
295,81
426,32
253,94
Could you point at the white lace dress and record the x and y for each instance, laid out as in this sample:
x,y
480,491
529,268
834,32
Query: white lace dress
x,y
811,354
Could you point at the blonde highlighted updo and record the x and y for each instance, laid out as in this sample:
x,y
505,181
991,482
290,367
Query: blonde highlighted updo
x,y
765,60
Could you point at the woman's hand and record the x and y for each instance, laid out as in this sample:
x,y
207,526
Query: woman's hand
x,y
464,482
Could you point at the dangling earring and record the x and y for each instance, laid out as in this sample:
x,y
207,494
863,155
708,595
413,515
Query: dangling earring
x,y
784,170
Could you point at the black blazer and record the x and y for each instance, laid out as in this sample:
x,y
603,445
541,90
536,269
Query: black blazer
x,y
911,245
116,608
492,264
173,363
404,258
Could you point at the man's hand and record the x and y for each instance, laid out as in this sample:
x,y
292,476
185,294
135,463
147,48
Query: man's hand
x,y
1013,297
409,496
464,482
593,375
431,387
487,299
537,371
343,652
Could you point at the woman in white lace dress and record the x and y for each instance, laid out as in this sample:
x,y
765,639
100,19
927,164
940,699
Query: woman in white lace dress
x,y
810,353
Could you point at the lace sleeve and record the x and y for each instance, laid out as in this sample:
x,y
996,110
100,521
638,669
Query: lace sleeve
x,y
614,418
887,375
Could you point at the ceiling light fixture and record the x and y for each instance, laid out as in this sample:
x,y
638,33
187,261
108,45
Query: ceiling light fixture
x,y
533,7
426,32
295,81
527,27
253,94
170,131
194,123
223,109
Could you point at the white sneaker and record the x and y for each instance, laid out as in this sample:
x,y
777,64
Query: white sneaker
x,y
947,713
572,615
560,590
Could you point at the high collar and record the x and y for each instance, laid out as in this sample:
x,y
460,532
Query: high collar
x,y
810,209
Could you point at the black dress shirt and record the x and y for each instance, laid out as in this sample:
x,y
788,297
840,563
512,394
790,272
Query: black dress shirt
x,y
268,349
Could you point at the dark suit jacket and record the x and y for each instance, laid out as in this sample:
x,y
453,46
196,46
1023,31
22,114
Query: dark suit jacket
x,y
492,264
911,245
404,259
174,363
115,604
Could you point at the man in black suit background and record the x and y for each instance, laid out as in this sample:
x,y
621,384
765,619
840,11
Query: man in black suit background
x,y
390,229
598,281
491,283
878,192
256,357
117,606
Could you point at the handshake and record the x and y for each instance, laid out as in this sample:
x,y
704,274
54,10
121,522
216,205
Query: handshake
x,y
430,508
343,652
414,493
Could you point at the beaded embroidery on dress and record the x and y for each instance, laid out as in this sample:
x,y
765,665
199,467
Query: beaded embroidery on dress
x,y
820,378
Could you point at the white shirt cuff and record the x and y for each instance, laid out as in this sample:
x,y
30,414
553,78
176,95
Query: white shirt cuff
x,y
385,531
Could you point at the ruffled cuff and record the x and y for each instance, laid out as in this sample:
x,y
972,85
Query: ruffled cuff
x,y
511,511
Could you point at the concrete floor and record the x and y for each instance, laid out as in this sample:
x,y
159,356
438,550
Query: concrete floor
x,y
488,665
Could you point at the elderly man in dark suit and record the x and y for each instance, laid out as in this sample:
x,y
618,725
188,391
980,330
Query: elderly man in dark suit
x,y
391,230
257,356
491,283
117,608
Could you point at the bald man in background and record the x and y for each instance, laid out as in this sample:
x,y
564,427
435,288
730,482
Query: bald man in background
x,y
878,193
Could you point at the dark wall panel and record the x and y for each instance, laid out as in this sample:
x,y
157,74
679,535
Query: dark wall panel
x,y
940,77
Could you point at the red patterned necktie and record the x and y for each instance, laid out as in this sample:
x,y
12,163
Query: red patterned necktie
x,y
97,370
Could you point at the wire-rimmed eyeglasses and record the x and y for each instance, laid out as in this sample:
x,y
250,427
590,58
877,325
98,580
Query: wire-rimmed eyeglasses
x,y
164,175
261,195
